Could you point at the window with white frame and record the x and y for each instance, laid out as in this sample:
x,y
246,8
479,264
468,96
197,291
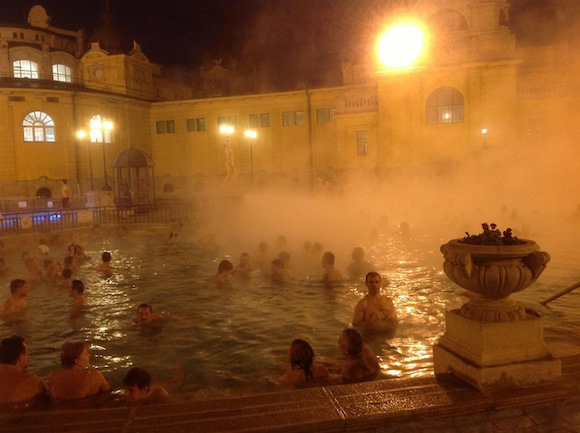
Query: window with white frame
x,y
445,105
362,143
226,120
25,69
38,126
195,125
259,120
325,115
292,118
61,73
101,129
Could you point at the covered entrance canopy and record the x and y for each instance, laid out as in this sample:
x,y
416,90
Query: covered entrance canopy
x,y
134,179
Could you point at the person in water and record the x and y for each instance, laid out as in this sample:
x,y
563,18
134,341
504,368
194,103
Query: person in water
x,y
375,311
76,380
331,274
105,267
16,384
225,269
279,272
76,291
359,267
17,302
137,388
303,371
244,268
145,316
360,362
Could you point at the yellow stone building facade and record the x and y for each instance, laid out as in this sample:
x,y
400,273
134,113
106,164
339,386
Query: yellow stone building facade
x,y
475,90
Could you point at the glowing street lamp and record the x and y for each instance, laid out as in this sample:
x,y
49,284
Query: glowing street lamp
x,y
484,136
227,129
401,46
82,135
251,135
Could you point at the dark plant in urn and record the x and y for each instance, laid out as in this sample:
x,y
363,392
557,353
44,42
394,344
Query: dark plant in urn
x,y
493,265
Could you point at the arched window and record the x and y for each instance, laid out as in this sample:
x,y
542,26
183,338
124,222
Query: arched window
x,y
445,105
101,129
61,73
38,126
25,69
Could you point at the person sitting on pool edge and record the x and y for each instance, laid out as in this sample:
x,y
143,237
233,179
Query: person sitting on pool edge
x,y
105,267
76,381
17,302
16,384
225,269
137,388
303,371
375,312
360,363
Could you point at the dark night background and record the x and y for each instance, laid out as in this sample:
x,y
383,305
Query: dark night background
x,y
291,40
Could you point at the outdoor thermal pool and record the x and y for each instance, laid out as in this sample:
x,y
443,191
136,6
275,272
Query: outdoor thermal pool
x,y
235,340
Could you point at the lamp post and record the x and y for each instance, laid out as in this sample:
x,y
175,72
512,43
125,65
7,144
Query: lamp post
x,y
251,135
227,131
81,135
102,127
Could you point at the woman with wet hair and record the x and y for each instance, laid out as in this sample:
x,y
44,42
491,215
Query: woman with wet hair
x,y
360,363
302,361
76,380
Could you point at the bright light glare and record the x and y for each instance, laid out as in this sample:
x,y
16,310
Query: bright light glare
x,y
401,45
108,125
81,134
250,133
484,131
226,129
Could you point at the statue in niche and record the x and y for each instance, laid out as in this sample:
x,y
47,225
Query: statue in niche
x,y
229,161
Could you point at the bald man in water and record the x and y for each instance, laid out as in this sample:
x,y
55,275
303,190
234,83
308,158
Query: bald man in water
x,y
375,311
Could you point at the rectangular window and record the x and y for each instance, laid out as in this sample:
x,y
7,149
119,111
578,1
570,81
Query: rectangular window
x,y
226,120
160,125
260,120
362,143
322,115
331,114
170,125
287,118
299,117
194,125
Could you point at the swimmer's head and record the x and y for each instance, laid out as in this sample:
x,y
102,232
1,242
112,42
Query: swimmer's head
x,y
373,282
245,259
13,351
328,259
77,286
19,287
302,357
74,354
358,254
145,313
350,342
225,266
136,385
106,257
277,264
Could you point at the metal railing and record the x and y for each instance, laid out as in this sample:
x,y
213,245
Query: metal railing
x,y
58,219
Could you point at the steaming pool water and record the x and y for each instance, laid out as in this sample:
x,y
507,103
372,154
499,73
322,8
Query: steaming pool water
x,y
235,340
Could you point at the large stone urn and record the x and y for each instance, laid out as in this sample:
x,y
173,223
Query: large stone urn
x,y
491,342
492,273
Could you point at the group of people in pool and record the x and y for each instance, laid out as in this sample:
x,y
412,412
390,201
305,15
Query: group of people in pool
x,y
76,381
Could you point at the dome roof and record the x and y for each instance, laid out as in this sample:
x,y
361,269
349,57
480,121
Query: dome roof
x,y
111,38
132,158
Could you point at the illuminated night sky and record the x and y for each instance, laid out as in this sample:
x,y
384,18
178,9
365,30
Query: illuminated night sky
x,y
284,35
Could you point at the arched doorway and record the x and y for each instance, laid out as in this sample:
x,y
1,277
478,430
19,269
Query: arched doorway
x,y
134,179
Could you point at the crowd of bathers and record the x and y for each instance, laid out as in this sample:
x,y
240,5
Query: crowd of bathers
x,y
77,381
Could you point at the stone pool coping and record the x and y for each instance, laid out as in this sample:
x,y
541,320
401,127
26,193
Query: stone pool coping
x,y
396,405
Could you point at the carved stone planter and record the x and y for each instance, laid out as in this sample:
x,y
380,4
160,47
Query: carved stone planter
x,y
492,273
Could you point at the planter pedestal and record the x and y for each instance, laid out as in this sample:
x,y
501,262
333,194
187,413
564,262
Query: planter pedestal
x,y
495,355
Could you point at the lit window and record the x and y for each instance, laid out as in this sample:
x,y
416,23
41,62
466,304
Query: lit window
x,y
61,73
445,105
38,126
299,117
25,69
101,129
226,120
362,143
194,125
